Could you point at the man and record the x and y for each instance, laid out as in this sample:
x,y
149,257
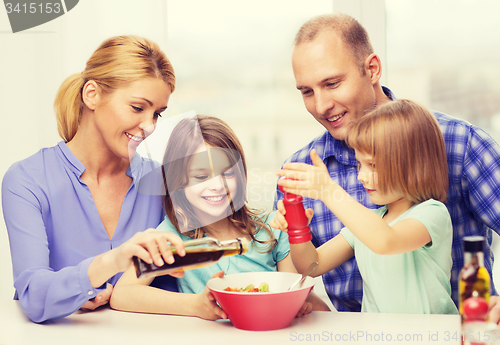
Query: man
x,y
338,75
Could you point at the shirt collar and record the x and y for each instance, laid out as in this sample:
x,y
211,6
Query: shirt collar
x,y
389,93
134,168
338,149
70,159
78,168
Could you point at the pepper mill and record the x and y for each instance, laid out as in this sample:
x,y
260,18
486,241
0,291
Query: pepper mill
x,y
298,231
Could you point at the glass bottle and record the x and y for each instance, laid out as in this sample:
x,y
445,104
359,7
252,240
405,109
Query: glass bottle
x,y
199,252
474,278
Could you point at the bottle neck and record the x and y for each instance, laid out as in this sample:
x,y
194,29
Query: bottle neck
x,y
232,245
478,257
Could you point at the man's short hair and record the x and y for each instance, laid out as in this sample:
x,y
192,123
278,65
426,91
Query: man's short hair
x,y
349,29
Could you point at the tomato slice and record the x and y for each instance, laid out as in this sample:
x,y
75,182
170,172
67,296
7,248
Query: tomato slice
x,y
250,288
232,289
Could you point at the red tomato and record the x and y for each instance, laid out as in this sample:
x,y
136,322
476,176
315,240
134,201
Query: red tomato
x,y
232,289
475,308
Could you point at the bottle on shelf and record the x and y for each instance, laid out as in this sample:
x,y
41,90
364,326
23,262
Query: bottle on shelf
x,y
199,252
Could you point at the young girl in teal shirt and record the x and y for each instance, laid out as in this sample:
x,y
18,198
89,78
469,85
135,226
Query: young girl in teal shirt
x,y
204,173
403,249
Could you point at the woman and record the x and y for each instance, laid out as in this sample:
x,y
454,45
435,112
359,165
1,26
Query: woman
x,y
72,211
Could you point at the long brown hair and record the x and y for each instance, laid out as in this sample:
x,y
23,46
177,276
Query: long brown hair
x,y
407,147
186,137
117,62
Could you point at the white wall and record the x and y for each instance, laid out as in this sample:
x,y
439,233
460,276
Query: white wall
x,y
33,64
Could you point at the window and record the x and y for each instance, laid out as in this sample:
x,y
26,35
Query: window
x,y
445,55
233,61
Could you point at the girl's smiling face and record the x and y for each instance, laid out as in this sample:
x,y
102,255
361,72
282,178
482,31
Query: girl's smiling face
x,y
212,184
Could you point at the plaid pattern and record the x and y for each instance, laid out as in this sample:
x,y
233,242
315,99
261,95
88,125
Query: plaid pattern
x,y
474,191
473,199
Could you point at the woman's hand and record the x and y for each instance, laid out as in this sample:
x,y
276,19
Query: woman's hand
x,y
312,181
152,246
279,221
206,304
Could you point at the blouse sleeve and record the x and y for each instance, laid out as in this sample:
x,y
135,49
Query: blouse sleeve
x,y
44,294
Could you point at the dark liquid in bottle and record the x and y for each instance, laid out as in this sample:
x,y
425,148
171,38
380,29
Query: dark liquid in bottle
x,y
194,258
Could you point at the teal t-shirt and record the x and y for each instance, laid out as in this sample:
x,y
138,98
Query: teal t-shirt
x,y
255,260
417,282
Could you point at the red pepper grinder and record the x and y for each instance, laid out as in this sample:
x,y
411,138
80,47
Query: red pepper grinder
x,y
298,231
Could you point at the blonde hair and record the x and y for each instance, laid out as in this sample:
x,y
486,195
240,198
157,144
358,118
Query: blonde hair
x,y
407,147
117,62
349,29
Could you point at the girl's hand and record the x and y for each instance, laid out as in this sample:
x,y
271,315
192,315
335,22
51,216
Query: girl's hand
x,y
305,309
207,307
494,309
279,221
151,246
312,181
101,299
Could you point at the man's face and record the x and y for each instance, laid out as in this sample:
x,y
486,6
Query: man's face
x,y
333,88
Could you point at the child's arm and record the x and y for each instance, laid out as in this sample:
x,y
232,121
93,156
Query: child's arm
x,y
315,182
313,301
132,294
328,256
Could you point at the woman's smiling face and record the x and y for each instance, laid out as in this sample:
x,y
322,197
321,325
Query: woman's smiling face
x,y
212,184
124,118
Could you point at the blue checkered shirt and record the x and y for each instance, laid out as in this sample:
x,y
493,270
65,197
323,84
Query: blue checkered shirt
x,y
473,200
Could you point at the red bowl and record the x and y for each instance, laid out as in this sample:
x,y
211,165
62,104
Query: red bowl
x,y
261,311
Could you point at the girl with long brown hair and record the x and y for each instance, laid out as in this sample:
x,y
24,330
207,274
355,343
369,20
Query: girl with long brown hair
x,y
204,171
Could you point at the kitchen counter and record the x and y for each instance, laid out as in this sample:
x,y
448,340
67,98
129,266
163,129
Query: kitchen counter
x,y
107,326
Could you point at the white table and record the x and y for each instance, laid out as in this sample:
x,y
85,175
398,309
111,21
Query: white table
x,y
107,326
